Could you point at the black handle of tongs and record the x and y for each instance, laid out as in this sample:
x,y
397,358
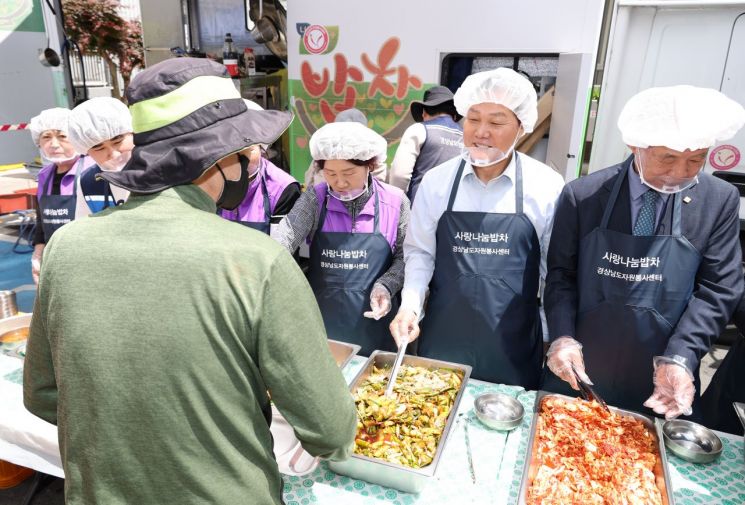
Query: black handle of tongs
x,y
588,393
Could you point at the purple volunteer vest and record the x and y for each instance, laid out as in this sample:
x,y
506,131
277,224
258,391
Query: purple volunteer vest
x,y
58,209
67,186
347,259
339,220
253,209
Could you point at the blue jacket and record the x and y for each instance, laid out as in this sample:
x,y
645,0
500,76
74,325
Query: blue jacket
x,y
97,192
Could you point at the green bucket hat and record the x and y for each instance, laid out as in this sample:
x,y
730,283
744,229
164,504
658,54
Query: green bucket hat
x,y
187,115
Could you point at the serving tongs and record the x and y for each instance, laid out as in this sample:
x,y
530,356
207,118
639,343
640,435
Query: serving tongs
x,y
396,366
588,393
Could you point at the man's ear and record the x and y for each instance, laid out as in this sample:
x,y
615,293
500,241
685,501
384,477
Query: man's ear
x,y
520,132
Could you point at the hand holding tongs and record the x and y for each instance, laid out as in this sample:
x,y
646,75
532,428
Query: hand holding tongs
x,y
404,341
588,393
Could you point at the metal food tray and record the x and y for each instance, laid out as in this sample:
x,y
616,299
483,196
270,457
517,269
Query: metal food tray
x,y
384,473
15,349
661,472
343,352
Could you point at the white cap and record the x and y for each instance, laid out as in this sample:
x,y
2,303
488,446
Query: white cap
x,y
351,115
251,105
680,118
347,141
49,119
97,120
502,86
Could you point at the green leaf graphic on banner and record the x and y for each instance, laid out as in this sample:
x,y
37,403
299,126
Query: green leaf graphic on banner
x,y
333,38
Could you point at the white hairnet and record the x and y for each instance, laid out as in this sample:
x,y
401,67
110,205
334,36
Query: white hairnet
x,y
347,141
680,118
502,86
351,115
97,120
49,119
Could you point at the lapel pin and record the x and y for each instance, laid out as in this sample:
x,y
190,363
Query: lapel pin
x,y
687,199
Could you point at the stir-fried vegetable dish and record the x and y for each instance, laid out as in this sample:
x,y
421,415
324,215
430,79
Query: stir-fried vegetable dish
x,y
406,427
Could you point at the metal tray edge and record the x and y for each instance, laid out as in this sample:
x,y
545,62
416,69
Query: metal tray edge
x,y
15,322
353,350
740,411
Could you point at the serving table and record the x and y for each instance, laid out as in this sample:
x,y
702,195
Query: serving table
x,y
497,458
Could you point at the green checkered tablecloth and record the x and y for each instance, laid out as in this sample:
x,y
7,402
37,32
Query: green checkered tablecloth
x,y
498,460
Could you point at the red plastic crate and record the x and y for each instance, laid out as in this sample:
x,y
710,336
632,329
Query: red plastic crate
x,y
21,199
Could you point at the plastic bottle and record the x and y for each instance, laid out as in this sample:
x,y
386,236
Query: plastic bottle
x,y
229,56
227,47
249,61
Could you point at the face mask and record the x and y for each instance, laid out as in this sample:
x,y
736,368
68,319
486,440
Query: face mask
x,y
233,192
61,159
116,163
486,156
670,184
348,196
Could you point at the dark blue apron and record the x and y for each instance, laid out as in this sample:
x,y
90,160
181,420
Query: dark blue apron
x,y
343,294
483,303
632,291
58,210
443,141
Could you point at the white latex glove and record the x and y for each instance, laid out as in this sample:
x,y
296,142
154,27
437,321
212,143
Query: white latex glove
x,y
36,262
673,388
380,302
405,326
565,353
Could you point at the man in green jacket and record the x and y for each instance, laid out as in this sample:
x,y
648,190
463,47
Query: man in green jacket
x,y
159,327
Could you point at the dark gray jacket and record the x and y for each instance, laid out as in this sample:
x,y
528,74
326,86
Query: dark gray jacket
x,y
710,223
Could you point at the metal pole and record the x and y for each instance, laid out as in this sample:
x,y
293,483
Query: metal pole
x,y
64,52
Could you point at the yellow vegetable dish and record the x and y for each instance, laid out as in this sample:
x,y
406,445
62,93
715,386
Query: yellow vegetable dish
x,y
406,427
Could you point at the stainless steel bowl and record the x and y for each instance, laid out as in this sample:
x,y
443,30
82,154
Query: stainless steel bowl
x,y
8,305
691,442
499,411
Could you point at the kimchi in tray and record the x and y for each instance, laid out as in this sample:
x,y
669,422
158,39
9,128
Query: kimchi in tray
x,y
581,454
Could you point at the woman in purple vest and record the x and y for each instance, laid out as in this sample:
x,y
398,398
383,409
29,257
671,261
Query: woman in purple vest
x,y
56,181
355,225
271,194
